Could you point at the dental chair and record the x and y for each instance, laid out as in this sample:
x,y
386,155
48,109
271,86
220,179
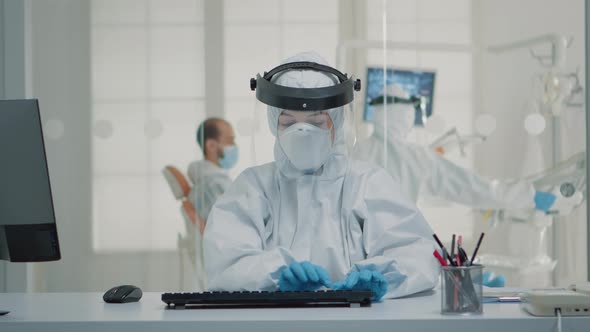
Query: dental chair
x,y
191,242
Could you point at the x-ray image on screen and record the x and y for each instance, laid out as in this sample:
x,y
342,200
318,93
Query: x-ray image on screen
x,y
414,82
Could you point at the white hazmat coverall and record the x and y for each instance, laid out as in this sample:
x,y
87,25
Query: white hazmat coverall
x,y
347,216
419,168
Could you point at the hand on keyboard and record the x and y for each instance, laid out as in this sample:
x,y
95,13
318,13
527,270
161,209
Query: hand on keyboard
x,y
364,279
303,276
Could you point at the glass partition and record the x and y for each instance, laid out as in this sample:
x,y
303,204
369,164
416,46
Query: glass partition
x,y
488,133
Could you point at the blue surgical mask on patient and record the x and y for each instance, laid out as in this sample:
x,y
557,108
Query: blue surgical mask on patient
x,y
230,157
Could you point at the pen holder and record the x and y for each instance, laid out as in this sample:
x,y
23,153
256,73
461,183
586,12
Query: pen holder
x,y
461,290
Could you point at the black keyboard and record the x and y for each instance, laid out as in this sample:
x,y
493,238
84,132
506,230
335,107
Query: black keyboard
x,y
328,298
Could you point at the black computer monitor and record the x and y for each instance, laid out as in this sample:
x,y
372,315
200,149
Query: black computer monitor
x,y
27,219
417,83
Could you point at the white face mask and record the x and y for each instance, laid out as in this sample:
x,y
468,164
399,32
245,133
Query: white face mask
x,y
307,146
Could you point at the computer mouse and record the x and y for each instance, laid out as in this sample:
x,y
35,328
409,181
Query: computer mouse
x,y
122,294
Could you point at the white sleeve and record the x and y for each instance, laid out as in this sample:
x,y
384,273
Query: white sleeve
x,y
234,250
462,186
397,239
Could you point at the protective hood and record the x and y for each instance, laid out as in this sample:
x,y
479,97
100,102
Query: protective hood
x,y
400,116
335,165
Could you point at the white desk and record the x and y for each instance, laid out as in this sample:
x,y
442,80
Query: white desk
x,y
49,312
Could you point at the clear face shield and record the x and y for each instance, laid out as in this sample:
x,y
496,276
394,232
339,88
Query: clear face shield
x,y
394,117
399,108
309,111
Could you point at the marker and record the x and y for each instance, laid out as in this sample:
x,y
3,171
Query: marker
x,y
439,258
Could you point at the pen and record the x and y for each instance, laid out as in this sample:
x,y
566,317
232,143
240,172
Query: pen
x,y
464,257
476,248
453,247
439,258
438,241
444,250
461,252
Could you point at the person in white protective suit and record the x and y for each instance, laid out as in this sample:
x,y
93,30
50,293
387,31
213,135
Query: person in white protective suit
x,y
314,216
419,169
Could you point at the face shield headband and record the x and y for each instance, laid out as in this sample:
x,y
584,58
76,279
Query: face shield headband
x,y
417,101
305,99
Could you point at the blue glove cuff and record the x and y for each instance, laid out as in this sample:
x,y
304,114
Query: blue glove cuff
x,y
544,200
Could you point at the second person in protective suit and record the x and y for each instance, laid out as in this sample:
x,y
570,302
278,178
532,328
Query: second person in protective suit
x,y
314,217
421,170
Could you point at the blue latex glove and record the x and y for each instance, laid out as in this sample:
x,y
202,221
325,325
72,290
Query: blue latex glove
x,y
492,280
544,200
303,276
364,279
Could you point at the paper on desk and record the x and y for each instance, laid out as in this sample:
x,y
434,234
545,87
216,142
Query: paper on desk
x,y
504,291
508,294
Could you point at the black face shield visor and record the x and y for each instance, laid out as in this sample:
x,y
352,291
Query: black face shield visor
x,y
304,99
